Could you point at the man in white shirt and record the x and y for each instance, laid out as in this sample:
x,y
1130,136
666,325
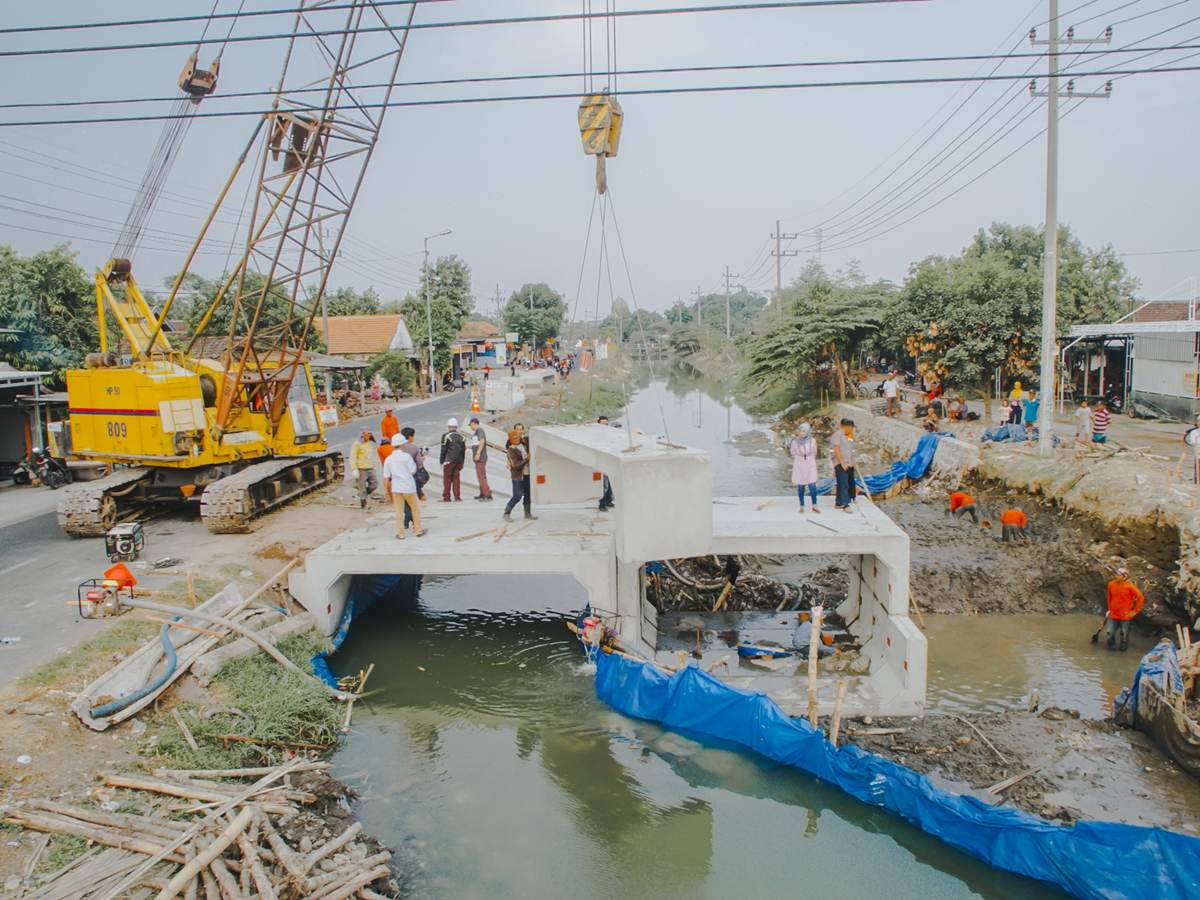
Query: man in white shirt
x,y
400,485
1083,423
891,390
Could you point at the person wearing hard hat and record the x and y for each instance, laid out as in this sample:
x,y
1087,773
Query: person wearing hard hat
x,y
362,457
400,486
452,457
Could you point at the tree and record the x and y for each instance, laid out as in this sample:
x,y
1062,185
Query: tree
x,y
204,291
396,369
450,302
964,317
826,322
49,299
536,312
347,302
449,280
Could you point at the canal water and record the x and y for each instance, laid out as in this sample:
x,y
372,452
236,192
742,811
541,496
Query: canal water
x,y
488,763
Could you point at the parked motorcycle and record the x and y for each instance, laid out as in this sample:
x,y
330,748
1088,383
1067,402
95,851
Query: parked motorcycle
x,y
49,470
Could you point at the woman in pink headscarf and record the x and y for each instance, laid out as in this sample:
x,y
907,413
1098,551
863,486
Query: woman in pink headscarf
x,y
804,465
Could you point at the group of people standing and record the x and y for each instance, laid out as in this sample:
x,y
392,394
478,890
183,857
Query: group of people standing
x,y
405,475
1091,425
804,451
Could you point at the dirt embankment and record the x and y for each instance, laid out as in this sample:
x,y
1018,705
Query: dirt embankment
x,y
1134,507
1051,764
960,567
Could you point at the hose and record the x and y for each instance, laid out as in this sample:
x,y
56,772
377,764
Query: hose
x,y
108,709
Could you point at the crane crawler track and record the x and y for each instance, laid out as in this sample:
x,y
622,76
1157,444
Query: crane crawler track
x,y
229,505
89,508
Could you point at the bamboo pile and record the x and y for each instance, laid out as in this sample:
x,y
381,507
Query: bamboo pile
x,y
234,850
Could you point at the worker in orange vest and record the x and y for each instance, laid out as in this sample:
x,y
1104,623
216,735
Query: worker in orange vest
x,y
1013,524
961,503
389,426
1124,602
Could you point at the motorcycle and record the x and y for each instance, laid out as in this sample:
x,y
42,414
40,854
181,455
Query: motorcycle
x,y
1113,401
49,470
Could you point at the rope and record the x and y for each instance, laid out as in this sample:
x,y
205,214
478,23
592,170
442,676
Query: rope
x,y
221,52
641,325
578,294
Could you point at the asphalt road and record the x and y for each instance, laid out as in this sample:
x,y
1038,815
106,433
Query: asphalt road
x,y
41,568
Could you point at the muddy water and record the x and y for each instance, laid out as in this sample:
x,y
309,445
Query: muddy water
x,y
489,764
996,662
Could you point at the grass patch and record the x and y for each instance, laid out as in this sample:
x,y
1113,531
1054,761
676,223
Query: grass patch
x,y
125,635
286,708
65,849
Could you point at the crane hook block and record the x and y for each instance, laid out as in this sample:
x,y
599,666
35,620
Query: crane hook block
x,y
199,83
600,119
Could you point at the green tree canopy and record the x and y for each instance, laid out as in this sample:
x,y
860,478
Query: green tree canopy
x,y
203,291
962,318
536,312
49,299
348,302
450,281
825,321
396,369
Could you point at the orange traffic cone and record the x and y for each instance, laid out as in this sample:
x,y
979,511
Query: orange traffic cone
x,y
474,403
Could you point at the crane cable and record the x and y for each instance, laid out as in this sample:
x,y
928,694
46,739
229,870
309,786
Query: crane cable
x,y
166,151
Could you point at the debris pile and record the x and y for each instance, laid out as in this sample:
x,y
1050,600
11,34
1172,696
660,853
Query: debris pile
x,y
351,409
709,583
245,841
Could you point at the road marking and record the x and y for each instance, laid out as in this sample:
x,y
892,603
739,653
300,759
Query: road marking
x,y
18,565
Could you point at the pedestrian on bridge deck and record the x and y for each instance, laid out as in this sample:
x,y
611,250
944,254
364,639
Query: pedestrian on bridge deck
x,y
452,458
400,485
479,455
362,457
842,451
518,466
1124,603
606,491
804,451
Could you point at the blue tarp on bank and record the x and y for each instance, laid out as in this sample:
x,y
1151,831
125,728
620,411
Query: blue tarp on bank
x,y
914,467
364,591
1092,860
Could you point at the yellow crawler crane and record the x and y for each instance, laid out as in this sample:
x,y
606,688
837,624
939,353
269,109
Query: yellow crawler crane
x,y
240,434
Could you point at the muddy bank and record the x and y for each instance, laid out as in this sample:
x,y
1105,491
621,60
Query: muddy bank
x,y
1073,768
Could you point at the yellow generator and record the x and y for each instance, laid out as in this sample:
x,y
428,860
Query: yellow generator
x,y
176,428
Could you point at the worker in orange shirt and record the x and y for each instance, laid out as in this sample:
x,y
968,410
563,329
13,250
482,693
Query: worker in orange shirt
x,y
961,504
389,426
385,450
1013,524
1124,602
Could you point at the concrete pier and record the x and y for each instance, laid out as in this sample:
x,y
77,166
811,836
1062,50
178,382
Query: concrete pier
x,y
665,510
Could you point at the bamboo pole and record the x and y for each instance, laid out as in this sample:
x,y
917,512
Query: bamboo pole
x,y
836,724
332,846
468,537
187,734
350,703
191,591
814,650
237,773
174,624
211,852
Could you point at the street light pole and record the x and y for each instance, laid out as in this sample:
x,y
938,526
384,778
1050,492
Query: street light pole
x,y
429,309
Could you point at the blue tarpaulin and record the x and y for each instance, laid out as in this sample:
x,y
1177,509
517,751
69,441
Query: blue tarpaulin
x,y
364,591
1091,860
914,467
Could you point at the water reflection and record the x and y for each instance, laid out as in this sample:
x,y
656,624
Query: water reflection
x,y
490,765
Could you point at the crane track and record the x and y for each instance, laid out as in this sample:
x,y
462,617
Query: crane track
x,y
87,509
229,505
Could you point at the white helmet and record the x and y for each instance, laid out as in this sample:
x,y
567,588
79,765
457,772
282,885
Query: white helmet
x,y
452,423
397,440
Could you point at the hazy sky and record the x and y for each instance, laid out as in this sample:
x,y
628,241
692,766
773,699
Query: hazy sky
x,y
700,179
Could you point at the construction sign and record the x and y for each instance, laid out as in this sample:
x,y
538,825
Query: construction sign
x,y
585,361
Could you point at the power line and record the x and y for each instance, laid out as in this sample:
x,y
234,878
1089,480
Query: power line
x,y
466,23
550,76
644,92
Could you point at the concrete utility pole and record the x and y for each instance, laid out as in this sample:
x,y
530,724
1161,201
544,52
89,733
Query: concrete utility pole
x,y
727,277
429,308
1050,253
779,253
